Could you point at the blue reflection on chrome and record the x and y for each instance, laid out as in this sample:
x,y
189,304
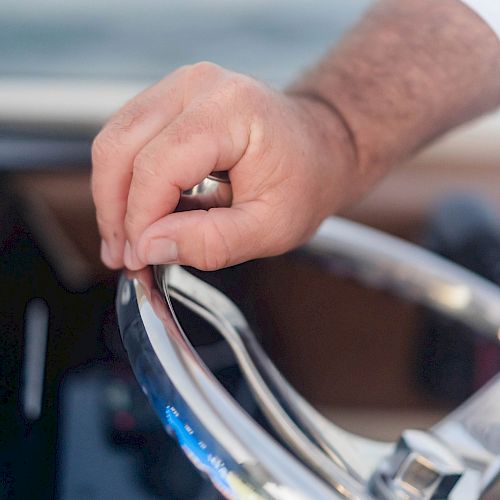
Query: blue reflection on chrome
x,y
206,454
197,450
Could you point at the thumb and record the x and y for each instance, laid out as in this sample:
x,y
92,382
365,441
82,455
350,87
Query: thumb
x,y
206,240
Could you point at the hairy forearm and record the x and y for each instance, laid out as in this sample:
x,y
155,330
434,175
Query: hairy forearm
x,y
410,71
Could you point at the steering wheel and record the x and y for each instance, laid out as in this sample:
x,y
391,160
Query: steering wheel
x,y
306,455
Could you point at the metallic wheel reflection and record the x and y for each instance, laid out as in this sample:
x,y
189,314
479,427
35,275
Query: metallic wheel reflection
x,y
460,455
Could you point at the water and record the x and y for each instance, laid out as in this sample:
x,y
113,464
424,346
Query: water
x,y
270,39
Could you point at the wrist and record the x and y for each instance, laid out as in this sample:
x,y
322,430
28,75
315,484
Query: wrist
x,y
335,151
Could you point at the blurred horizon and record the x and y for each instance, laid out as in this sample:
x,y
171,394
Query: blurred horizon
x,y
147,39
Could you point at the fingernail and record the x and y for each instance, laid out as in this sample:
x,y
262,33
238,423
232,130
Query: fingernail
x,y
106,254
127,255
161,251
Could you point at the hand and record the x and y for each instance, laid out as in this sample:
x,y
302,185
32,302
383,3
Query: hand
x,y
290,162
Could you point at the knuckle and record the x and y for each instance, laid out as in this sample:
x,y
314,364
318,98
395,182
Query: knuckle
x,y
116,133
246,88
215,251
125,122
146,168
102,148
211,262
242,82
183,132
146,175
180,133
203,69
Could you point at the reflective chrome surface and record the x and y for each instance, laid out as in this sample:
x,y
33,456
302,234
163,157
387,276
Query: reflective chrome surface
x,y
241,460
459,458
213,191
328,450
383,261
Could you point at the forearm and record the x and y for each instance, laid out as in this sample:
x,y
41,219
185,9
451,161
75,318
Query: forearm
x,y
410,71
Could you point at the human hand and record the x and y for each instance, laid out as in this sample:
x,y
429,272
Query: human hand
x,y
290,161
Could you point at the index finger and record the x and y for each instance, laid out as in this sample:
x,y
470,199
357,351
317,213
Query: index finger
x,y
114,150
197,143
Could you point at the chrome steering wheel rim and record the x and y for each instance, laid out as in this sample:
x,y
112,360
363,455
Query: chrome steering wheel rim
x,y
336,463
